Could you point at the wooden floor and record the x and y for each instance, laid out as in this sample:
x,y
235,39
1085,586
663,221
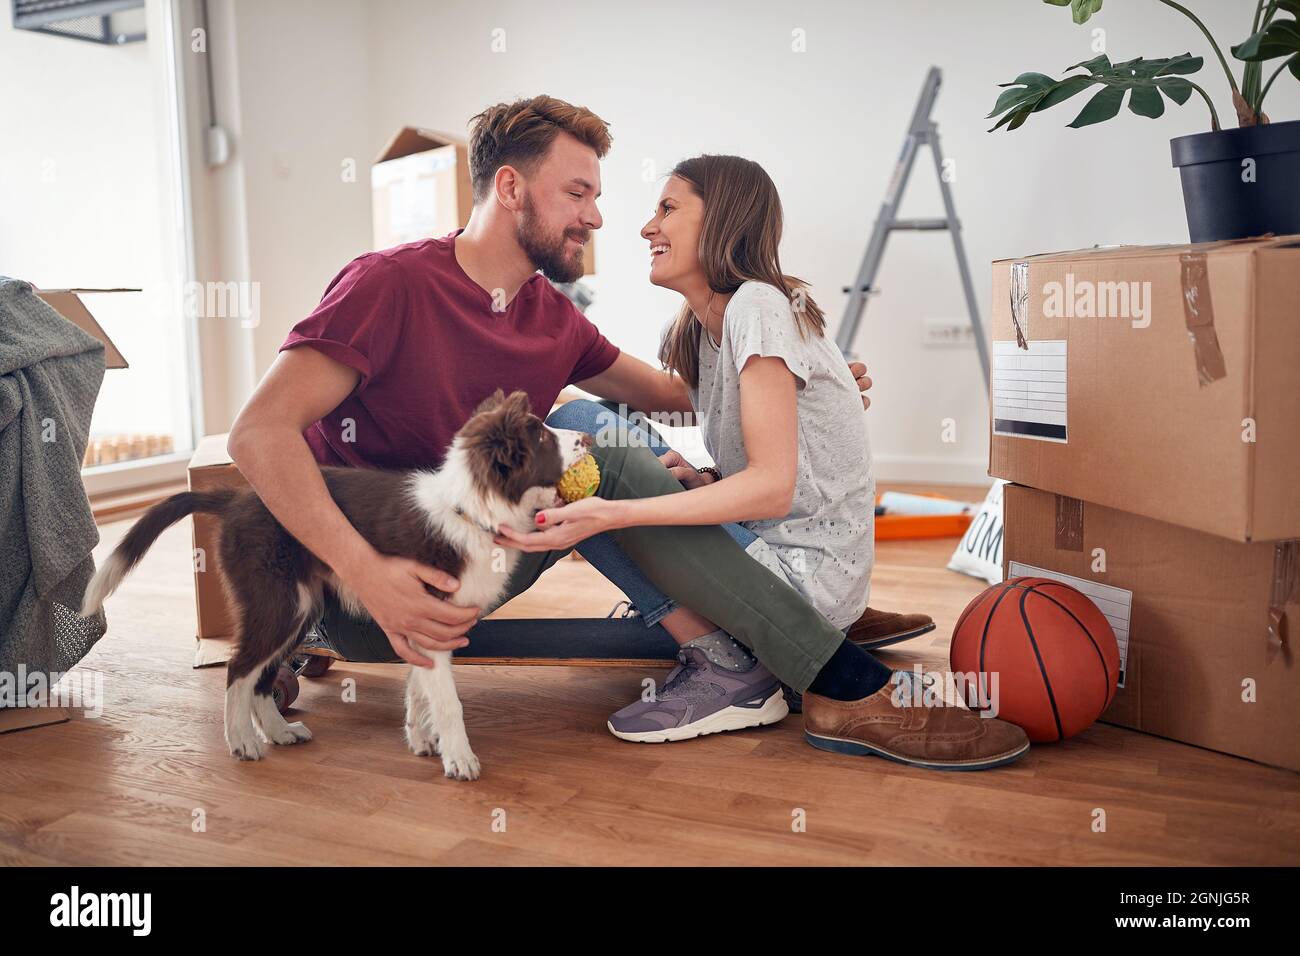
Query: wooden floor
x,y
129,786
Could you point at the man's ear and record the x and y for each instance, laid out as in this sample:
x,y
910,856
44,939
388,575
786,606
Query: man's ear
x,y
509,187
489,403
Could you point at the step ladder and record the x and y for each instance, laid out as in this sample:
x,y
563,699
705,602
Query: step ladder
x,y
921,131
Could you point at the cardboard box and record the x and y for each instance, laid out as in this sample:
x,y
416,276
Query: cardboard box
x,y
420,187
68,304
1202,621
1162,381
211,469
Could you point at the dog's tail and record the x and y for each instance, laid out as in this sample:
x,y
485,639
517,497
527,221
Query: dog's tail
x,y
141,538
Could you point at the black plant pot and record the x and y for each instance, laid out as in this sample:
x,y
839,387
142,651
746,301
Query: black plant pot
x,y
1224,197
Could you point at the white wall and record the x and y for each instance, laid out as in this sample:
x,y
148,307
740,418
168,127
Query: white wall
x,y
322,82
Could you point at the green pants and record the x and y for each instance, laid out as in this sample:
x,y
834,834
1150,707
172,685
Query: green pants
x,y
699,566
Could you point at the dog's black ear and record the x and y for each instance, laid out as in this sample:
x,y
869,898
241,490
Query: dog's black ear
x,y
491,402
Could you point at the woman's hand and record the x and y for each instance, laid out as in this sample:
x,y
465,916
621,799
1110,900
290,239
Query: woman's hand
x,y
684,471
859,372
562,528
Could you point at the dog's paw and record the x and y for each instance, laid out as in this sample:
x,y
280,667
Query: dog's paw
x,y
459,761
295,733
246,746
423,743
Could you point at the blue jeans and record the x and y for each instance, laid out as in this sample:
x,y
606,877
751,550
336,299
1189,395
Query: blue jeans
x,y
601,551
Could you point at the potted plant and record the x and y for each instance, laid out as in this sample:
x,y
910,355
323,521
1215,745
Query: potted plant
x,y
1236,182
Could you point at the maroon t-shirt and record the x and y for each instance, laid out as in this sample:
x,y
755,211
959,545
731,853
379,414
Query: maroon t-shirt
x,y
429,348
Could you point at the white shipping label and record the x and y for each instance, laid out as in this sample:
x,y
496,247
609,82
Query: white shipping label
x,y
1029,388
1115,603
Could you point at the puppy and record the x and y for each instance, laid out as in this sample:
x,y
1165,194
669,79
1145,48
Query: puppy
x,y
502,467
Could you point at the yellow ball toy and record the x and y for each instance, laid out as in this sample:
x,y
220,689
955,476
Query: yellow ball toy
x,y
580,481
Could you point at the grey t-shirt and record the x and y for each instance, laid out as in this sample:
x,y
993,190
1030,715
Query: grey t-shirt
x,y
825,547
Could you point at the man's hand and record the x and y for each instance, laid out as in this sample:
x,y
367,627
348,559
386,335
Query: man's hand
x,y
392,590
864,382
684,471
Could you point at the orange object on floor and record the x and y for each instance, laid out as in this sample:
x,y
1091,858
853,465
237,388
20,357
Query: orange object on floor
x,y
900,527
895,527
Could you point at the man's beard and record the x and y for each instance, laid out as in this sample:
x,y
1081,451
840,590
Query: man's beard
x,y
547,253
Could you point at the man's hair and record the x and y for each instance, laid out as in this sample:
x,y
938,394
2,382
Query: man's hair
x,y
519,134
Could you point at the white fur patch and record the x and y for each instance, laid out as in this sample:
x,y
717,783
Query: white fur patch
x,y
105,582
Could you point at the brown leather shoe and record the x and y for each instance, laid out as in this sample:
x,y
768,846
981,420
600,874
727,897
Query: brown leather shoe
x,y
873,629
942,737
880,628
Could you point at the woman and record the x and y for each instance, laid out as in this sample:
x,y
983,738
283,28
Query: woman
x,y
780,413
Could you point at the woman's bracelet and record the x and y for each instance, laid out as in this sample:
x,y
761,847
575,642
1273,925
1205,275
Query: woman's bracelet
x,y
710,470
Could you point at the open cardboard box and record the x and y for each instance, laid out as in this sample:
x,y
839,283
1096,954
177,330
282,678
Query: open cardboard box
x,y
66,302
420,187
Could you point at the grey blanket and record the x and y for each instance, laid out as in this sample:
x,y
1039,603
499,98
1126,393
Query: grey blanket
x,y
50,373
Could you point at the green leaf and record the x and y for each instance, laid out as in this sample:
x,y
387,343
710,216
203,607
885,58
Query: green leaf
x,y
1063,91
1034,80
1019,119
1176,88
1247,49
1095,65
1279,38
1080,10
1016,116
1034,92
1091,8
1128,67
1013,98
1146,101
1105,105
1182,64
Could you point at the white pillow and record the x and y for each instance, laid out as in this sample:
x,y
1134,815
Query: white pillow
x,y
980,552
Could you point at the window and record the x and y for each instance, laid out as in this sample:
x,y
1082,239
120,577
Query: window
x,y
91,193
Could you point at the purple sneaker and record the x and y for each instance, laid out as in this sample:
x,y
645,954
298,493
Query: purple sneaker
x,y
701,698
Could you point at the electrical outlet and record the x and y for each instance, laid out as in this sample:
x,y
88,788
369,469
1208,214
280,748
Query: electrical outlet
x,y
945,333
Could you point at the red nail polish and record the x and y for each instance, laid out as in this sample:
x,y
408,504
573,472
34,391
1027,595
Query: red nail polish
x,y
541,517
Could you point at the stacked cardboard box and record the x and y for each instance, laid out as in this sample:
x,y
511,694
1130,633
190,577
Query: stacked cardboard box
x,y
1146,405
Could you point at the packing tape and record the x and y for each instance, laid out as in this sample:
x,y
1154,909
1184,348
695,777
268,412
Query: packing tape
x,y
1069,524
1020,303
1198,311
1285,590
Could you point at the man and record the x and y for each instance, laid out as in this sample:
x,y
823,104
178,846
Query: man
x,y
407,341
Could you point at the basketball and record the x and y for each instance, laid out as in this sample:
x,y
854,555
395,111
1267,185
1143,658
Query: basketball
x,y
1046,656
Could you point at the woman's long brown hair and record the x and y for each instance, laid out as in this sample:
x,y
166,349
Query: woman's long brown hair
x,y
738,242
